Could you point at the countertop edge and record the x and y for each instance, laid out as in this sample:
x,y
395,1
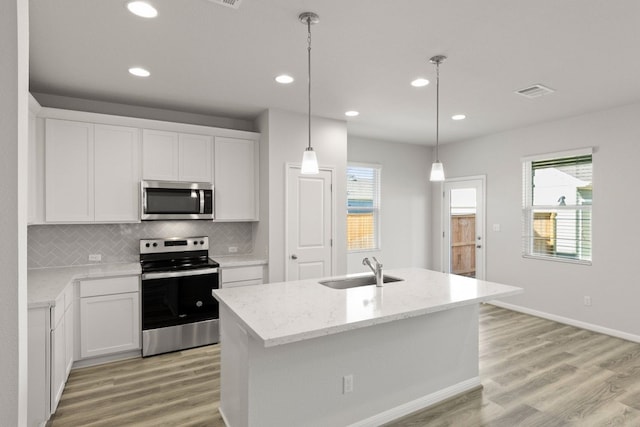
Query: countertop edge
x,y
70,274
321,332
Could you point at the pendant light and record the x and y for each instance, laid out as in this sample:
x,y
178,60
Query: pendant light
x,y
309,159
437,171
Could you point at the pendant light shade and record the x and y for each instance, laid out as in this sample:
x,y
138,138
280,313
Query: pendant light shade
x,y
309,162
437,170
309,159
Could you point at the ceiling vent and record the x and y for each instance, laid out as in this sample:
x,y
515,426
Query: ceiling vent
x,y
229,3
535,91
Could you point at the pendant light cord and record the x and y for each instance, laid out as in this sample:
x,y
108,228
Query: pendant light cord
x,y
309,75
437,108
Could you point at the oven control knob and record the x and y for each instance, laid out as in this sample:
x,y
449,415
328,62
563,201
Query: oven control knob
x,y
195,242
155,245
199,304
147,245
202,242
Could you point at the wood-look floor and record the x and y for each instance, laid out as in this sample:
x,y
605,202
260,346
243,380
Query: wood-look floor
x,y
535,373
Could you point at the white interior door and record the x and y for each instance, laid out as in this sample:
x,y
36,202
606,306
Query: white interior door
x,y
464,228
309,225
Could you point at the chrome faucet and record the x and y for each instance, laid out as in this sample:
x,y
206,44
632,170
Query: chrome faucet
x,y
377,270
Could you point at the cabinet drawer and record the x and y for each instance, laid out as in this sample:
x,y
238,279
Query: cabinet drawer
x,y
241,283
109,286
240,274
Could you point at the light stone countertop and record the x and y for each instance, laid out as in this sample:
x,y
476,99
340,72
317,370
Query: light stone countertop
x,y
239,260
286,312
44,285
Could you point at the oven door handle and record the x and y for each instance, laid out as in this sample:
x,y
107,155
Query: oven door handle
x,y
167,275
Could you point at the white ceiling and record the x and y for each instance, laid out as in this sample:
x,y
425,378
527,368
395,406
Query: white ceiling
x,y
211,59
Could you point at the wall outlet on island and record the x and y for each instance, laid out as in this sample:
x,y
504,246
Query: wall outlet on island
x,y
587,301
233,249
95,257
347,384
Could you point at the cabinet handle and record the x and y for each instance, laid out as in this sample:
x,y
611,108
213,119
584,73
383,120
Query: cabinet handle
x,y
294,256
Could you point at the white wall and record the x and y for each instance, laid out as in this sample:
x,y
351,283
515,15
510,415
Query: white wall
x,y
405,225
14,108
558,288
284,136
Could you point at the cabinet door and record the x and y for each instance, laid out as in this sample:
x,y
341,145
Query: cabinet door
x,y
32,176
236,172
117,173
68,340
38,366
58,363
159,155
109,324
194,158
68,171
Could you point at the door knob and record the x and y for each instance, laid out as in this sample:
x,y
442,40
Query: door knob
x,y
294,256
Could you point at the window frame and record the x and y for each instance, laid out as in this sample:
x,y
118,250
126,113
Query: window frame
x,y
528,207
376,209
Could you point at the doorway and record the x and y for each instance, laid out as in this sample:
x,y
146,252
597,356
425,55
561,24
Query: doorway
x,y
464,228
309,224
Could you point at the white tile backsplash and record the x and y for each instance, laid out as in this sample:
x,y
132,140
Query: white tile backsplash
x,y
65,245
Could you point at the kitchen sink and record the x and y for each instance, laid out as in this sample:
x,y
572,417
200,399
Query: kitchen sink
x,y
354,282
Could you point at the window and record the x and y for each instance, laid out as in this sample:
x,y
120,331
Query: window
x,y
363,207
557,200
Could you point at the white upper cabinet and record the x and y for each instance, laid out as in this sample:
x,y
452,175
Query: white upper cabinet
x,y
194,157
159,155
69,171
92,172
236,173
171,156
86,167
117,173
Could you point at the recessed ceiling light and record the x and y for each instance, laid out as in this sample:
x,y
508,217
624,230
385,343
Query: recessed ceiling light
x,y
284,79
142,9
352,113
458,117
419,82
139,72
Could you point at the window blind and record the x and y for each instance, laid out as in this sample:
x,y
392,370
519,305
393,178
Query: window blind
x,y
363,207
557,201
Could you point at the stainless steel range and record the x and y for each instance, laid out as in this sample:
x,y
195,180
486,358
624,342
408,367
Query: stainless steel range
x,y
178,309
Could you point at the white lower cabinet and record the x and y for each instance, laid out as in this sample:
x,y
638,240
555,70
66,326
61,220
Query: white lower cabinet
x,y
109,316
241,276
50,355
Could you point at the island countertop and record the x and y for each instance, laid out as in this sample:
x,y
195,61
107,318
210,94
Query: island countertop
x,y
286,312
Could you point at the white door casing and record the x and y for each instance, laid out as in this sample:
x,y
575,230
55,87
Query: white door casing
x,y
308,224
476,183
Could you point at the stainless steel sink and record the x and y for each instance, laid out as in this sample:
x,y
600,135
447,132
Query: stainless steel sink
x,y
354,282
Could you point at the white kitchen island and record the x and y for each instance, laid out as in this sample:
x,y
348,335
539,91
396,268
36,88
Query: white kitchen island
x,y
291,351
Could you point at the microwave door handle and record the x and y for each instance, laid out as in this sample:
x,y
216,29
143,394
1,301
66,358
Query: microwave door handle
x,y
144,201
201,201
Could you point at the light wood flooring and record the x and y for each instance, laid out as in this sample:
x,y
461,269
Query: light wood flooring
x,y
535,373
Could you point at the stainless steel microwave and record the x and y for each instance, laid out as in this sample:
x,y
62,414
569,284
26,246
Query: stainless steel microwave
x,y
165,200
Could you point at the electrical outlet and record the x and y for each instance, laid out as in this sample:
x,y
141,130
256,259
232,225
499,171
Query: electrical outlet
x,y
496,227
95,257
347,384
587,301
233,249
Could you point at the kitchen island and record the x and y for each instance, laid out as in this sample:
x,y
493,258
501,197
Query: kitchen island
x,y
300,353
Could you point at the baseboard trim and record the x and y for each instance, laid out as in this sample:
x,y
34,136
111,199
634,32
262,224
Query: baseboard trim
x,y
420,403
568,321
99,360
